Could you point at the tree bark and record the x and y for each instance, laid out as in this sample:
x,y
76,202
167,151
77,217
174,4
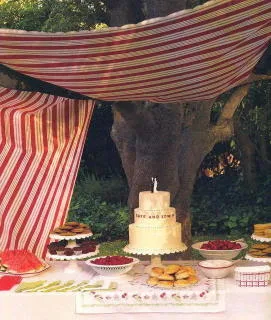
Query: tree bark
x,y
168,140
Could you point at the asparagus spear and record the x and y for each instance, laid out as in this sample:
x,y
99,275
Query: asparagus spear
x,y
29,285
57,288
50,285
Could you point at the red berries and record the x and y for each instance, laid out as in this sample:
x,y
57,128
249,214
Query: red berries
x,y
221,245
112,260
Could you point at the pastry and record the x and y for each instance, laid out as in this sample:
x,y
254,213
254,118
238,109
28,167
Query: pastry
x,y
190,270
182,274
165,276
165,284
267,233
172,268
156,271
152,281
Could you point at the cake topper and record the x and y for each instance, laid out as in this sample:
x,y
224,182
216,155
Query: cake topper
x,y
154,184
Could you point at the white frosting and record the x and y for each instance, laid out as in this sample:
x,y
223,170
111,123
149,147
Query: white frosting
x,y
148,237
154,200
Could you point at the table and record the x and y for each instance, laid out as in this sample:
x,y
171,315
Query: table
x,y
241,303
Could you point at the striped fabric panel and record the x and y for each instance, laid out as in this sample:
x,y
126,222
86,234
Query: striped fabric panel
x,y
41,142
190,55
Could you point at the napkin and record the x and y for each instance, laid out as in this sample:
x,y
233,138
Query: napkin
x,y
8,282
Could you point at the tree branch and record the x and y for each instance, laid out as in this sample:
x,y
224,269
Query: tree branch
x,y
232,104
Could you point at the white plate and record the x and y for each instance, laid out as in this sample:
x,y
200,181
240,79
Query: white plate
x,y
27,274
78,236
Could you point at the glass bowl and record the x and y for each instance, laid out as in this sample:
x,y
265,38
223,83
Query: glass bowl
x,y
228,254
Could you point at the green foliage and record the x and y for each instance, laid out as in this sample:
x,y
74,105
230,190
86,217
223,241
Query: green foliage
x,y
108,220
51,15
223,205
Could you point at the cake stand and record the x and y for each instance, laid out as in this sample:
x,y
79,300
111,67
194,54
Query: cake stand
x,y
72,267
155,254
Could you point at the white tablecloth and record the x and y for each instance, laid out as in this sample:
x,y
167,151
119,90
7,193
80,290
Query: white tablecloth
x,y
241,303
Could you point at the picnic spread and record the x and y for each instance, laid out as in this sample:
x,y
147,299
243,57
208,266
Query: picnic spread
x,y
124,284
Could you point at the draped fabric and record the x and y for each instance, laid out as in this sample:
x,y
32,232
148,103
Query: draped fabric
x,y
41,141
191,55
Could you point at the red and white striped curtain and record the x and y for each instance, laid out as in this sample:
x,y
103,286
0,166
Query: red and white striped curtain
x,y
41,142
190,55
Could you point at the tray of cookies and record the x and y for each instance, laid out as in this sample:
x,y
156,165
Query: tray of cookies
x,y
262,232
71,231
172,276
259,252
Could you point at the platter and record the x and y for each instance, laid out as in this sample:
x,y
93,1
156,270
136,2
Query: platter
x,y
79,236
28,274
73,257
266,259
259,238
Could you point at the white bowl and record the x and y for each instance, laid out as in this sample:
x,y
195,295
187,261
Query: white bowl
x,y
111,270
216,269
218,254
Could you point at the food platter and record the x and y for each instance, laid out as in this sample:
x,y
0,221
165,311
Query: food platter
x,y
28,274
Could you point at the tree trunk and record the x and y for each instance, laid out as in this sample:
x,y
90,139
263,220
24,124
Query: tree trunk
x,y
165,140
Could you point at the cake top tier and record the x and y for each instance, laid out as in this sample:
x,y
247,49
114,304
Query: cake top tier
x,y
154,200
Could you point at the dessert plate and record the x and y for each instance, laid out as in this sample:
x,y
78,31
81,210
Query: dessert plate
x,y
27,274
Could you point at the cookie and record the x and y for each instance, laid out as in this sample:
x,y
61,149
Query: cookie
x,y
57,230
258,254
64,227
67,233
267,250
83,225
78,230
260,246
72,223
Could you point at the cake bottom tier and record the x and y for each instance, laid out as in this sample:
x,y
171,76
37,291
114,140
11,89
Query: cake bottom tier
x,y
154,240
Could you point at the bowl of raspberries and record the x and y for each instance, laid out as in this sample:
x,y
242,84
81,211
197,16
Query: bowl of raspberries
x,y
112,265
219,249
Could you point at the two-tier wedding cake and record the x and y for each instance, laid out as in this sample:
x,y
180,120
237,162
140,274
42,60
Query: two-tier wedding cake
x,y
155,230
